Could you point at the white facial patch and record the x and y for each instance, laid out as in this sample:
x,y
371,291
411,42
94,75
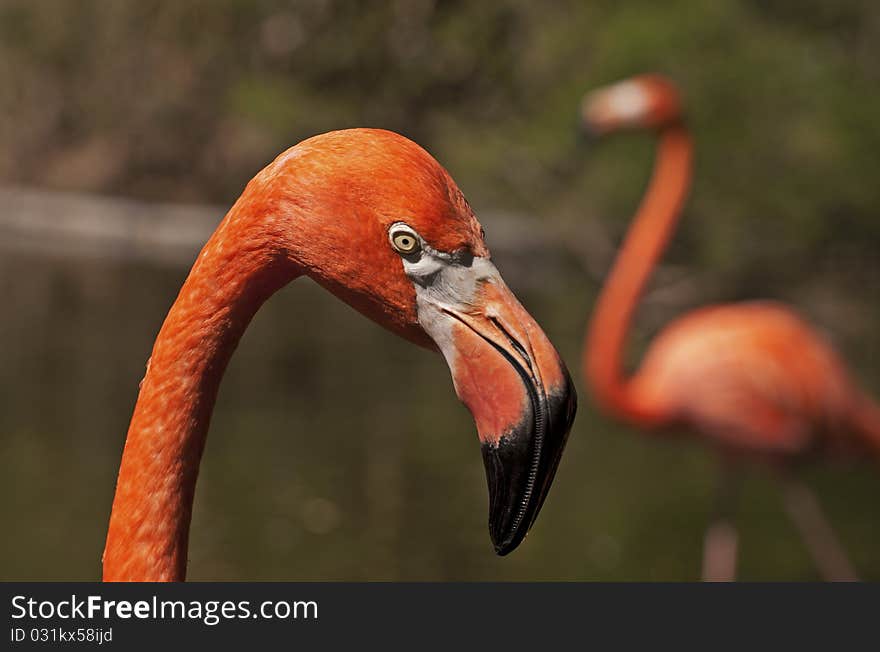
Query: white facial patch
x,y
444,283
445,286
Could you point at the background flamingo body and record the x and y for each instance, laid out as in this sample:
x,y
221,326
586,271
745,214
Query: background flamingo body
x,y
755,378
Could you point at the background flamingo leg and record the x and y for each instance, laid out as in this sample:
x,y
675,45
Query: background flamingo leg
x,y
721,542
819,537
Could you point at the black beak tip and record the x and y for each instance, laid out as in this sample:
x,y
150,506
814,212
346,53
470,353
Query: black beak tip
x,y
504,539
504,549
519,475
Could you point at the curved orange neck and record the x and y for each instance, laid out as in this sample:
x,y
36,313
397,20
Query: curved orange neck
x,y
238,269
645,242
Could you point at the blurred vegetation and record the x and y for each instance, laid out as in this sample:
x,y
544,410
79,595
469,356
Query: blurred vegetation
x,y
341,453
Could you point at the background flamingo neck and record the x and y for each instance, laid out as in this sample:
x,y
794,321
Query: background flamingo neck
x,y
645,242
149,525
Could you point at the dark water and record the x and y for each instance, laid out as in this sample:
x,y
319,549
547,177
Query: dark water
x,y
338,451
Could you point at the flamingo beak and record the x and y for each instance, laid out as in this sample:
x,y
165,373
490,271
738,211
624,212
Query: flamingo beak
x,y
511,378
596,116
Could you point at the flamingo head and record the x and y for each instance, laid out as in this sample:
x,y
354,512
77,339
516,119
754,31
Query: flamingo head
x,y
642,102
378,222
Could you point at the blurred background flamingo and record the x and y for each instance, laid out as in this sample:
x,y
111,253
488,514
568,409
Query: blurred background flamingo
x,y
753,379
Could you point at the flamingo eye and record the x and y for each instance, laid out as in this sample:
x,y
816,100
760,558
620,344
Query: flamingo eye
x,y
404,241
